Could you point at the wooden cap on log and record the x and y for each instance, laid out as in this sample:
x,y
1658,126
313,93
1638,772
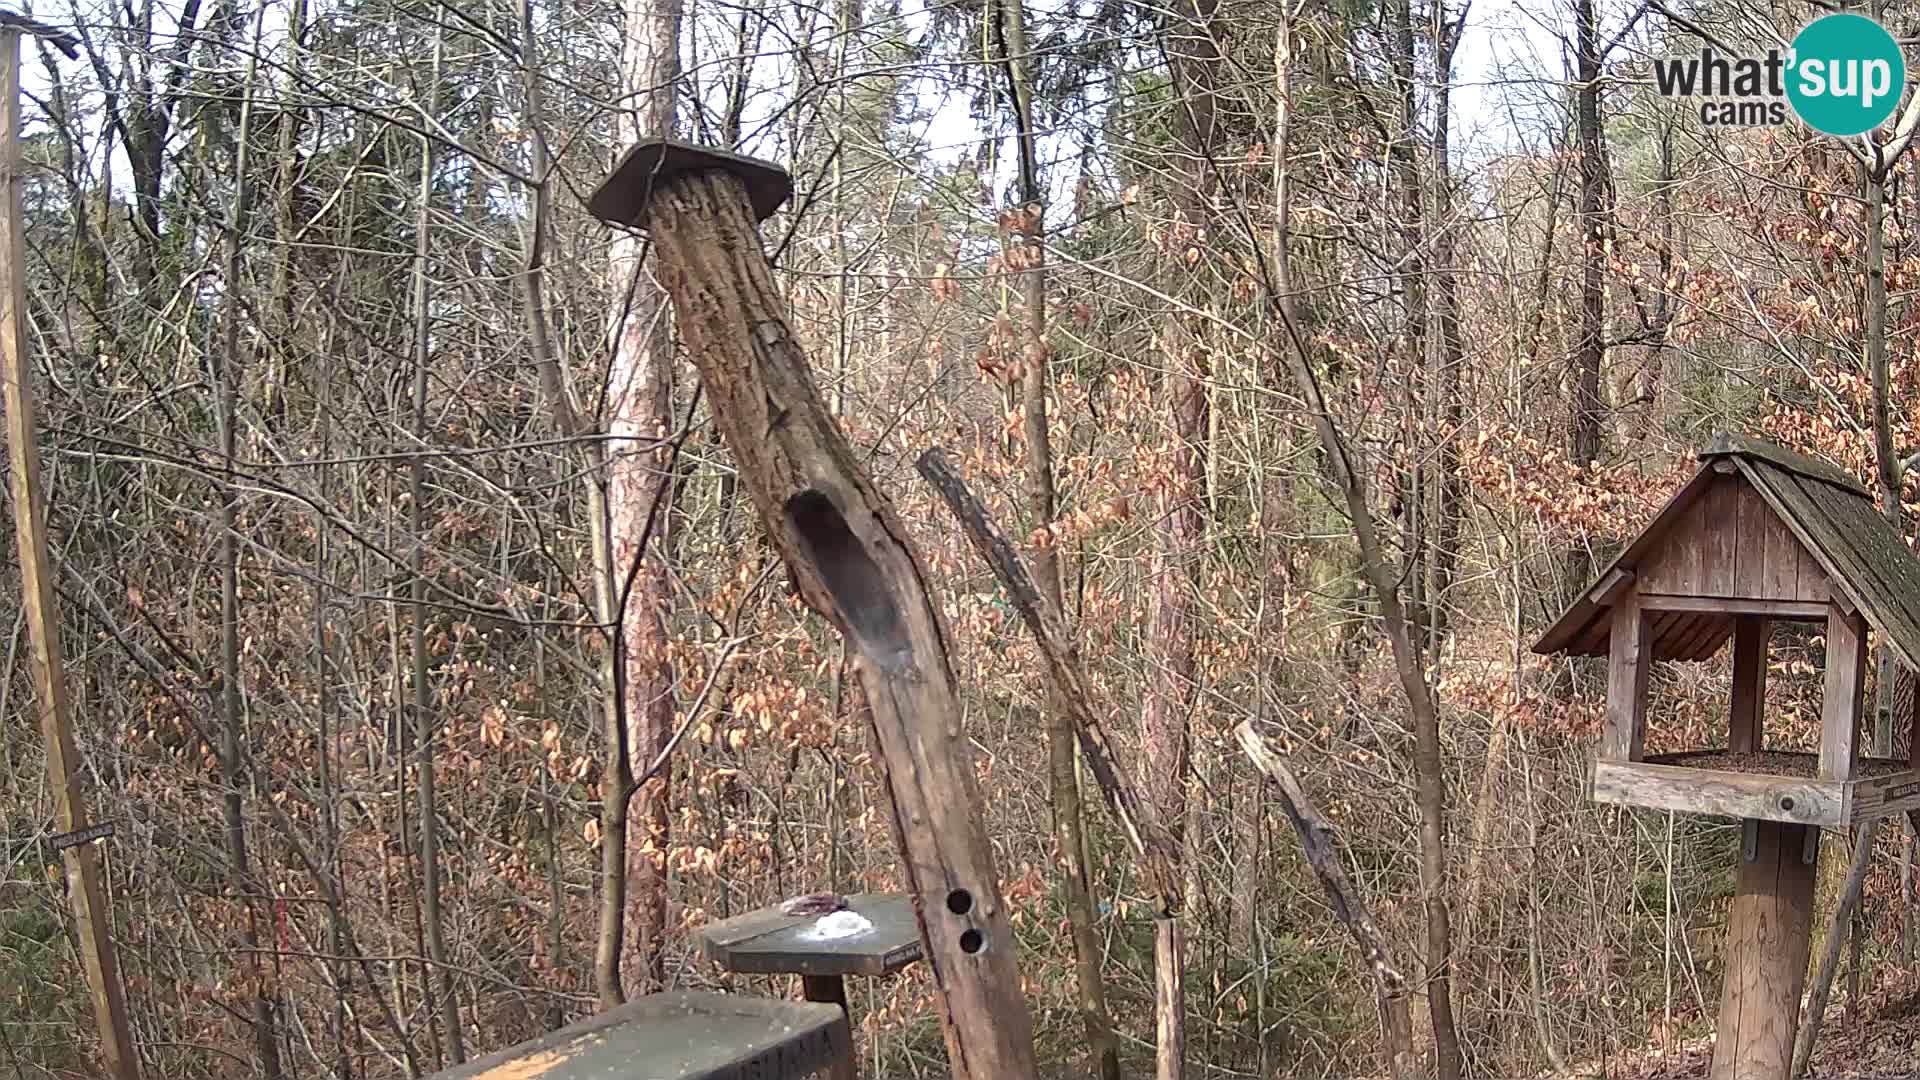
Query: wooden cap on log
x,y
622,198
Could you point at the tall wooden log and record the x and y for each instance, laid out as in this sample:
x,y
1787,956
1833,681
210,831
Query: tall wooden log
x,y
848,553
85,890
1768,940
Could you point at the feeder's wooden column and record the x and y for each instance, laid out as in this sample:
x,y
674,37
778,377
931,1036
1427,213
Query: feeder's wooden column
x,y
1630,657
1768,938
1841,704
848,552
1750,634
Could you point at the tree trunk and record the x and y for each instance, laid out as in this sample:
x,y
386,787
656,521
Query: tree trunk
x,y
1409,664
1179,534
640,508
1027,222
233,764
424,724
553,385
1445,362
847,551
1588,410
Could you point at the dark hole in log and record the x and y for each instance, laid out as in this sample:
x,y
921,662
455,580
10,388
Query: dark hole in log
x,y
1786,802
852,577
959,901
972,941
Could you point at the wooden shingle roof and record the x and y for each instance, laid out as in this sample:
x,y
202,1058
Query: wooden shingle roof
x,y
1864,560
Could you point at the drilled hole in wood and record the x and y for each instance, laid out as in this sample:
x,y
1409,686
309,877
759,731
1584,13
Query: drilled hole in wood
x,y
1786,802
852,577
972,941
959,901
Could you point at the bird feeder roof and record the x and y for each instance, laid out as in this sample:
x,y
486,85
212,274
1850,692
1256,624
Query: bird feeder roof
x,y
1721,537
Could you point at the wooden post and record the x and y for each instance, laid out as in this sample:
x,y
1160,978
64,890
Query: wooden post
x,y
84,888
1830,955
832,990
1768,939
1750,634
1840,700
850,559
1627,666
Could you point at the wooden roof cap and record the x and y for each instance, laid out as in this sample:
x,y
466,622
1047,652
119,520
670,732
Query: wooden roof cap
x,y
621,199
1867,561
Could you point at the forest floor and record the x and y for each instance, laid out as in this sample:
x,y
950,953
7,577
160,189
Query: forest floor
x,y
1882,1043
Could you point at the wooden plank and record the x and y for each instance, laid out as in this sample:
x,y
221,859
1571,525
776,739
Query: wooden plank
x,y
1884,796
1841,700
1722,605
1719,539
1780,571
86,893
1749,521
1627,664
678,1036
1703,634
1675,565
1769,928
1610,586
1815,583
1749,682
1720,793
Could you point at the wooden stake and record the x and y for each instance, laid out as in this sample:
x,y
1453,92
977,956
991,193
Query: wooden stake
x,y
847,551
82,861
1830,955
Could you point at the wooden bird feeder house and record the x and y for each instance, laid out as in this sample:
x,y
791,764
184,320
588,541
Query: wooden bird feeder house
x,y
1759,535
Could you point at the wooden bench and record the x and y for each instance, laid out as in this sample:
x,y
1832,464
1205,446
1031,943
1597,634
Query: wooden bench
x,y
680,1036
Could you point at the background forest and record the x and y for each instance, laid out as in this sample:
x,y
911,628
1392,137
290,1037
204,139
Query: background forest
x,y
1322,349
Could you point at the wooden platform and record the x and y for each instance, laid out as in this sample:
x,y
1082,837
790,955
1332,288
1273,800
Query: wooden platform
x,y
678,1036
1770,786
766,942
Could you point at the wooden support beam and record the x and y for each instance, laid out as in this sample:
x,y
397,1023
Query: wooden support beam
x,y
1830,955
1610,587
1631,656
1749,682
850,559
85,890
1800,610
1841,700
1768,938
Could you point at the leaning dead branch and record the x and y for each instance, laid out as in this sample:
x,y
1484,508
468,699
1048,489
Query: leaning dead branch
x,y
1320,844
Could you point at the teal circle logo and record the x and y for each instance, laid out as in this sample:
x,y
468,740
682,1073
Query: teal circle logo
x,y
1848,74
